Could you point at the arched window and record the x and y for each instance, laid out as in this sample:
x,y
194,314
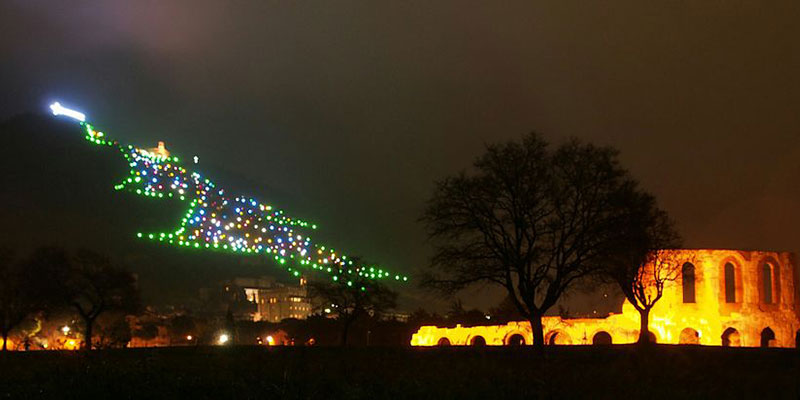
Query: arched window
x,y
687,277
766,278
444,342
730,283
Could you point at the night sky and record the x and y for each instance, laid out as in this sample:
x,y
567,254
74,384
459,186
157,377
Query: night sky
x,y
348,111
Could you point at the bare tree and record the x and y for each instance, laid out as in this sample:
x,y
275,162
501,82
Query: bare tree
x,y
531,220
26,286
95,285
14,307
643,261
352,296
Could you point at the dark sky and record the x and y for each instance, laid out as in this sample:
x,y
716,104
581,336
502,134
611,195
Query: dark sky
x,y
353,109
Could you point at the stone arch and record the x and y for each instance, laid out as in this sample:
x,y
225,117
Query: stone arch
x,y
768,337
557,337
688,282
602,338
443,342
731,338
515,339
689,336
477,341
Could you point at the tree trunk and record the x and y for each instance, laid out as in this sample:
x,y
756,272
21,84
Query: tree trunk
x,y
644,324
89,324
538,332
5,340
346,329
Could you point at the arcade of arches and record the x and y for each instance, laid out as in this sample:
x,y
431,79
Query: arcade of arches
x,y
722,298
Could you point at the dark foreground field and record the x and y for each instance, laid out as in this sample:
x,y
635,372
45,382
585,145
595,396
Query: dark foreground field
x,y
666,372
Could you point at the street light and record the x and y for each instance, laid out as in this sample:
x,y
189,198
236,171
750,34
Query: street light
x,y
224,338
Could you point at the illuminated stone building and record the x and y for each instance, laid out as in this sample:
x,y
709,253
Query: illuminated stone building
x,y
159,150
282,301
721,298
258,299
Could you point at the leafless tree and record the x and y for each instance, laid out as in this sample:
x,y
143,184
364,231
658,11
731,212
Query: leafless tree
x,y
643,261
28,286
532,220
94,285
352,296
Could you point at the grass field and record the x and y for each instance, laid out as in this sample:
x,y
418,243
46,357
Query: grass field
x,y
665,372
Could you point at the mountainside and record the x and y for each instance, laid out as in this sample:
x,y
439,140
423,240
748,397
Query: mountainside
x,y
57,189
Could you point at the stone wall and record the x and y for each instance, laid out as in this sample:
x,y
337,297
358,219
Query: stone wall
x,y
762,311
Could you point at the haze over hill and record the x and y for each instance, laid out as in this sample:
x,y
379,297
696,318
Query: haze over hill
x,y
58,190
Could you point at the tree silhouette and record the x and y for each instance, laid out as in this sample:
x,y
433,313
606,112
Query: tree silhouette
x,y
642,262
459,314
28,286
94,285
113,331
505,311
531,220
352,297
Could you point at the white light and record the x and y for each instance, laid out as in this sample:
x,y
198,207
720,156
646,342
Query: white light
x,y
188,337
58,109
223,338
270,340
65,329
196,159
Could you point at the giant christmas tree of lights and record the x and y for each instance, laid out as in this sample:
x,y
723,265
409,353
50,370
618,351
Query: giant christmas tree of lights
x,y
217,221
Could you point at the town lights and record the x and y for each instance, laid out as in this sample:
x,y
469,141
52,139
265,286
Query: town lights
x,y
58,109
224,338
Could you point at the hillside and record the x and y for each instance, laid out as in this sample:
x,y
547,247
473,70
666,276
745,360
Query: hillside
x,y
58,190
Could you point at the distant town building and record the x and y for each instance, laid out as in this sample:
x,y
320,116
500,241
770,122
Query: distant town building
x,y
282,301
259,299
395,316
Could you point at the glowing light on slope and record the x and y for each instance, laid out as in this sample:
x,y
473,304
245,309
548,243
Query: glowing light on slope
x,y
58,109
215,220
